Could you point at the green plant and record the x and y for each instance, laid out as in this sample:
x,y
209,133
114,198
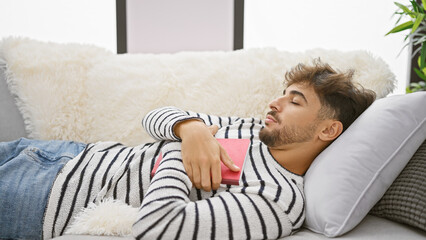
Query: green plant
x,y
417,36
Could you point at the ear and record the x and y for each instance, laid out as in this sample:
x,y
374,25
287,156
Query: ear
x,y
331,130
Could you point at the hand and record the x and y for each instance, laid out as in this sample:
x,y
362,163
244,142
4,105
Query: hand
x,y
201,154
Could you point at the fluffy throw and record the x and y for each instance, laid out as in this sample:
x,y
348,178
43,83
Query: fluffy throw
x,y
85,93
108,218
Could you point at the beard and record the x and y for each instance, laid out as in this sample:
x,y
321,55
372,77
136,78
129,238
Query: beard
x,y
287,134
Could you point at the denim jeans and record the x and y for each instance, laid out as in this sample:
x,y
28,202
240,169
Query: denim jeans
x,y
28,169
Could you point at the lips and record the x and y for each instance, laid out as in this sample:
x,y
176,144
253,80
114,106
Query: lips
x,y
270,119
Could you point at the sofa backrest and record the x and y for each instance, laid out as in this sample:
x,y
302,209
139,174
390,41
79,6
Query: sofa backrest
x,y
11,121
85,93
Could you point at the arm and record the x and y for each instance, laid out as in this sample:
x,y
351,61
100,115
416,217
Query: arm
x,y
160,123
214,120
200,150
168,213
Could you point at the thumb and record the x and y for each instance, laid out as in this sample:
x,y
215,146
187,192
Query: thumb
x,y
213,129
228,161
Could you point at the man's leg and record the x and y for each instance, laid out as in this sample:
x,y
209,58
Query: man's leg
x,y
28,169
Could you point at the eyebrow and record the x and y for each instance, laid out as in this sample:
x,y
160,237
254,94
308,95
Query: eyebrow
x,y
295,92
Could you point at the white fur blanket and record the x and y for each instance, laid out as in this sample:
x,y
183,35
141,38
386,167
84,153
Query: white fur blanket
x,y
85,93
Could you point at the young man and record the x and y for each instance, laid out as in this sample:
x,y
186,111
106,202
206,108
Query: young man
x,y
316,107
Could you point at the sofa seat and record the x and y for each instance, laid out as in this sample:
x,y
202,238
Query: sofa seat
x,y
371,227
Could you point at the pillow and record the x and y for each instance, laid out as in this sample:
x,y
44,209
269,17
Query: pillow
x,y
405,200
347,179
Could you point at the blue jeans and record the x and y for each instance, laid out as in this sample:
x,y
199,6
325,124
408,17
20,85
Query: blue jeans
x,y
28,169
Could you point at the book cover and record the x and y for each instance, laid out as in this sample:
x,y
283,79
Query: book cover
x,y
237,150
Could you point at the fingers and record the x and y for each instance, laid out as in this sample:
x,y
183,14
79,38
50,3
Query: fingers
x,y
208,175
216,176
205,177
228,161
196,177
188,170
201,158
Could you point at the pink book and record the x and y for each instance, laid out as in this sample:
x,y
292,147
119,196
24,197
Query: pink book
x,y
237,150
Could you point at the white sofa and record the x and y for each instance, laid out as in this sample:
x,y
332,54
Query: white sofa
x,y
84,93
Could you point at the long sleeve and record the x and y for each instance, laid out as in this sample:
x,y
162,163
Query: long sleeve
x,y
167,211
159,123
216,120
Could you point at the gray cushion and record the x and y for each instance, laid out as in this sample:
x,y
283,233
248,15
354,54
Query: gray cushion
x,y
405,200
11,121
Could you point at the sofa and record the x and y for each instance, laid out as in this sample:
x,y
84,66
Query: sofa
x,y
369,184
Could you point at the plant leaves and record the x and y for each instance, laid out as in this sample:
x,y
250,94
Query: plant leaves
x,y
419,34
399,19
420,74
416,24
415,5
401,27
405,9
422,56
415,87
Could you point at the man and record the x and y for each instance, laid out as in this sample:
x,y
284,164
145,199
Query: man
x,y
316,107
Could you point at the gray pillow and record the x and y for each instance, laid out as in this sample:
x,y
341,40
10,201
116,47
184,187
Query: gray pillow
x,y
405,200
349,177
11,121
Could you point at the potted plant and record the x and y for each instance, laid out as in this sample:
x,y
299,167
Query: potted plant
x,y
417,37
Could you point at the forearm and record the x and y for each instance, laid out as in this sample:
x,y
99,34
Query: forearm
x,y
160,123
220,121
189,127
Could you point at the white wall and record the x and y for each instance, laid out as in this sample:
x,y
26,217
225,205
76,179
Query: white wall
x,y
167,26
80,21
331,24
287,25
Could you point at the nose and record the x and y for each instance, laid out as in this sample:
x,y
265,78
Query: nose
x,y
276,105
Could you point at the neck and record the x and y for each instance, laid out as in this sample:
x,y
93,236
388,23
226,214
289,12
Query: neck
x,y
296,157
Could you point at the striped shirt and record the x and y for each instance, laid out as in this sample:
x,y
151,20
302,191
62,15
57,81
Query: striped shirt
x,y
268,204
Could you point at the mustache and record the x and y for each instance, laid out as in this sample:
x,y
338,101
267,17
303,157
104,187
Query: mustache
x,y
274,114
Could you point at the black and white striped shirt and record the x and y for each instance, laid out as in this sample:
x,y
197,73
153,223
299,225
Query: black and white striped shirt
x,y
268,204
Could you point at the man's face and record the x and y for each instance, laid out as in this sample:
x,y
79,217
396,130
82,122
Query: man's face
x,y
293,117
